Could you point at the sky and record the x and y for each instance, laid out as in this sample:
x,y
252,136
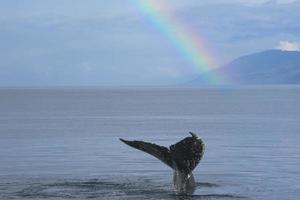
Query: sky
x,y
111,43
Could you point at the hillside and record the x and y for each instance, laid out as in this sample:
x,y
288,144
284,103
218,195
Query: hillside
x,y
267,67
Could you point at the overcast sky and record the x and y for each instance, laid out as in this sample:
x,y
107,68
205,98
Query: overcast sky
x,y
99,42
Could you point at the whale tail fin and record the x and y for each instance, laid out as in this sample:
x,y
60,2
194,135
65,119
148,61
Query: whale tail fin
x,y
183,156
187,153
160,152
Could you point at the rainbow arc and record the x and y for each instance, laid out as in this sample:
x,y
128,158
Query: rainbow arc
x,y
188,43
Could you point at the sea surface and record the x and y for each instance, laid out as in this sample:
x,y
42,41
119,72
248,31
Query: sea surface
x,y
63,143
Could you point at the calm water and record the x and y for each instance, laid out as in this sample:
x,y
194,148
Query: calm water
x,y
63,143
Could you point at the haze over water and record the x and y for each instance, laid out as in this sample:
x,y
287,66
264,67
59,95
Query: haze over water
x,y
63,143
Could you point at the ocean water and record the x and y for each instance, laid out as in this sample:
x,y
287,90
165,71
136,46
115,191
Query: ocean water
x,y
64,143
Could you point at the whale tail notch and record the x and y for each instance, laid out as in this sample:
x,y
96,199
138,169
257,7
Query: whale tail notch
x,y
183,156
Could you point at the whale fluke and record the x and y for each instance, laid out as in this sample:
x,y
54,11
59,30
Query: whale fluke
x,y
182,157
193,135
160,152
187,153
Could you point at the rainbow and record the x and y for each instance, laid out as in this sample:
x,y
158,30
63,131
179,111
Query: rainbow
x,y
188,43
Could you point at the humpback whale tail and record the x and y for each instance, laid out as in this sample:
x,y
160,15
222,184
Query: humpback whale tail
x,y
182,157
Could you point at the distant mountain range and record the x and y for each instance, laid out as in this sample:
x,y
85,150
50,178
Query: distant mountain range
x,y
267,67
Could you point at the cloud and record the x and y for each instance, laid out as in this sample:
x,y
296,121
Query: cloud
x,y
288,46
171,72
87,66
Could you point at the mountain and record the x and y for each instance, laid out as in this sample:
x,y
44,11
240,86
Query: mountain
x,y
267,67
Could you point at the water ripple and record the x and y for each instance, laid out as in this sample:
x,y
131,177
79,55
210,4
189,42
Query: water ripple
x,y
111,189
